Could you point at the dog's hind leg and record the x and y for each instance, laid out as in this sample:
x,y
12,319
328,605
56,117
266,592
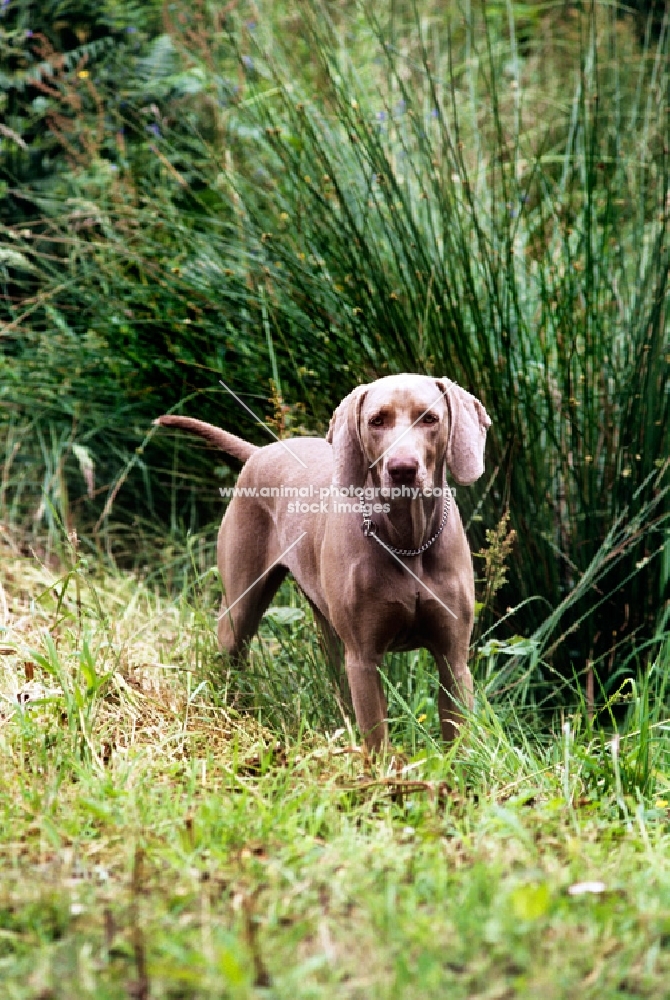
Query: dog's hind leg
x,y
240,614
249,576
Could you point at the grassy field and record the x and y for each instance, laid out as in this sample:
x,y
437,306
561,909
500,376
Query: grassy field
x,y
157,841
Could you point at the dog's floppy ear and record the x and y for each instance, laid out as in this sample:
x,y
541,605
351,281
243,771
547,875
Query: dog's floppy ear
x,y
469,422
349,462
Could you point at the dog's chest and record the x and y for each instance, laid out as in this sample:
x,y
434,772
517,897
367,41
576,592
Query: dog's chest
x,y
416,619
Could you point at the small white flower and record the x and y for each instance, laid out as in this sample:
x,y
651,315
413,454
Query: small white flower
x,y
582,888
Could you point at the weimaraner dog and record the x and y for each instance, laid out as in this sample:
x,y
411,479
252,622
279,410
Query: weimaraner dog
x,y
386,571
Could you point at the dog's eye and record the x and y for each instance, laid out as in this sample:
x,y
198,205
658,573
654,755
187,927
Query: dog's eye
x,y
430,418
377,421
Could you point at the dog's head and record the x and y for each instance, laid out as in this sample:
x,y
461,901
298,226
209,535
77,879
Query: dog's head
x,y
403,428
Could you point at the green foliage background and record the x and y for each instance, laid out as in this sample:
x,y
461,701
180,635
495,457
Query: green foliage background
x,y
297,198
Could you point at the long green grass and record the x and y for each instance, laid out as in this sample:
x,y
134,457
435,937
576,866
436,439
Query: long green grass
x,y
158,843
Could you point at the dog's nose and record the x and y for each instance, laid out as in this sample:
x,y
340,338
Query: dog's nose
x,y
403,470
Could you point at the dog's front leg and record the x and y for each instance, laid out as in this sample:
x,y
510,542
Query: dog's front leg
x,y
369,702
455,694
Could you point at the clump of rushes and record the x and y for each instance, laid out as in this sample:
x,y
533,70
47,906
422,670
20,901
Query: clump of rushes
x,y
455,204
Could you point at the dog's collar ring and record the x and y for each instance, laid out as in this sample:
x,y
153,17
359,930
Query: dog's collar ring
x,y
370,531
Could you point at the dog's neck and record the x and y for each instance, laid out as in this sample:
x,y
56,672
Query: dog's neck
x,y
411,521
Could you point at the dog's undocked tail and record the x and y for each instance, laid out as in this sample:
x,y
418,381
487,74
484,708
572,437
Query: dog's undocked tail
x,y
221,439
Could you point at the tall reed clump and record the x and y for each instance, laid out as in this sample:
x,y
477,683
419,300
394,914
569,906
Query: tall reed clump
x,y
457,206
